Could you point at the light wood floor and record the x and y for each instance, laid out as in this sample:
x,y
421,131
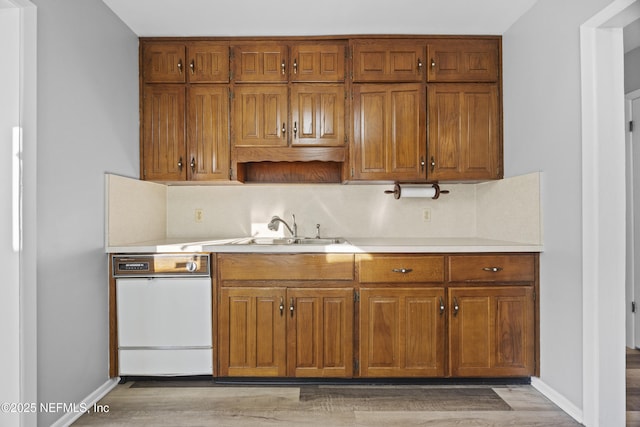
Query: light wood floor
x,y
633,388
325,405
204,403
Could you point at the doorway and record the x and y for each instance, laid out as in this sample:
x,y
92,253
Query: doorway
x,y
18,302
603,213
632,146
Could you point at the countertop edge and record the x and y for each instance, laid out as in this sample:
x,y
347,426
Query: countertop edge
x,y
355,245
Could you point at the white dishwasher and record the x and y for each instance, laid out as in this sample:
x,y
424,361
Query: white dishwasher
x,y
163,309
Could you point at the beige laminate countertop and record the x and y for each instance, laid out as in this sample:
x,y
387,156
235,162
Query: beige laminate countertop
x,y
354,245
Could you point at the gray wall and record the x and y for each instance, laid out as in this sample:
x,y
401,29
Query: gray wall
x,y
632,70
87,125
542,128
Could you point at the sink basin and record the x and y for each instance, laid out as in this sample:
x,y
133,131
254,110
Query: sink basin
x,y
292,241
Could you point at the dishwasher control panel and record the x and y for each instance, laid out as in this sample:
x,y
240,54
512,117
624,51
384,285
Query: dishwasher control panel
x,y
161,265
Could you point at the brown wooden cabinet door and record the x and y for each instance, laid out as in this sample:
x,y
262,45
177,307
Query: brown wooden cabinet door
x,y
164,62
251,332
320,332
491,331
463,60
402,332
163,133
208,62
388,61
317,114
318,62
464,132
389,132
260,62
208,132
260,116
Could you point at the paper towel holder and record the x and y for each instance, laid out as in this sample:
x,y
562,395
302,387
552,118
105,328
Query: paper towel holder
x,y
397,190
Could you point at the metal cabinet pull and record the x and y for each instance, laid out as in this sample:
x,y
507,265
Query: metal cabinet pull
x,y
492,269
419,64
192,65
284,128
433,163
193,164
433,63
422,163
456,307
283,67
295,66
281,306
442,307
180,66
180,164
402,270
291,307
295,129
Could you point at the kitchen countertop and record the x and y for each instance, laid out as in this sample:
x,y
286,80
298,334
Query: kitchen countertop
x,y
353,245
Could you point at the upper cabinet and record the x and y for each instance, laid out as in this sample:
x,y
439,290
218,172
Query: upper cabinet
x,y
464,132
184,129
193,62
389,132
318,62
260,62
388,60
463,60
320,109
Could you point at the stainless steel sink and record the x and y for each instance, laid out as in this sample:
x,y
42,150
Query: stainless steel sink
x,y
292,241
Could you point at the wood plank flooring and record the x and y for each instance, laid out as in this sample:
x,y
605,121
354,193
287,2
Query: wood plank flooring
x,y
205,403
633,387
194,405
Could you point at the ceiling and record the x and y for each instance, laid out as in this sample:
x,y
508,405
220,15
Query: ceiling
x,y
149,18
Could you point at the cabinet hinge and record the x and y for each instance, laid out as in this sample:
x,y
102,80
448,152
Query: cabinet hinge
x,y
633,306
346,139
631,126
231,75
352,173
356,296
230,172
230,94
356,366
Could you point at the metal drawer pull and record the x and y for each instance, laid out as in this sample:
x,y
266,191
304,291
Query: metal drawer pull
x,y
492,269
402,270
291,307
442,306
180,66
456,307
281,306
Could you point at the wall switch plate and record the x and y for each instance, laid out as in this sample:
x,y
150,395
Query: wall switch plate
x,y
199,215
426,215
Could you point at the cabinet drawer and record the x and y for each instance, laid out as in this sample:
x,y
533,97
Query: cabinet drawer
x,y
492,268
400,268
285,266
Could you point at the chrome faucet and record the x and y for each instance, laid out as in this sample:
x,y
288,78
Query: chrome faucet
x,y
275,224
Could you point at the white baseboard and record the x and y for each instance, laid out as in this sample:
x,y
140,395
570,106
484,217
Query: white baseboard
x,y
562,402
87,402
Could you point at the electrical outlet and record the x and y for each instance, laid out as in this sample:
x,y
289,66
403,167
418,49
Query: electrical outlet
x,y
426,215
199,215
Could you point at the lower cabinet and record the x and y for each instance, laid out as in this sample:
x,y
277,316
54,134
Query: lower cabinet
x,y
285,315
491,331
402,332
382,316
277,332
